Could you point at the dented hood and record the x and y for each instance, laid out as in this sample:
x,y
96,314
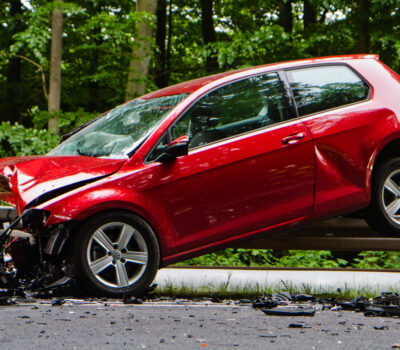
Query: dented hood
x,y
32,176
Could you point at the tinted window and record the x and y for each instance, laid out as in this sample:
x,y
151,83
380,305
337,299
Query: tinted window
x,y
233,109
320,88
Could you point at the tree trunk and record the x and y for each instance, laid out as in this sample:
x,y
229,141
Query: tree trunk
x,y
55,66
361,8
310,16
161,74
12,104
141,53
209,35
286,15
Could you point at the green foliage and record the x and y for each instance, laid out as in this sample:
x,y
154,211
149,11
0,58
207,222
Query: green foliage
x,y
296,258
16,140
311,258
66,120
377,260
234,257
34,40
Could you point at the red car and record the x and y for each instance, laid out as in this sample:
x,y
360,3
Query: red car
x,y
194,167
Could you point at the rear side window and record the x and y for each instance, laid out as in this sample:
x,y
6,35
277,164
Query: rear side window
x,y
318,89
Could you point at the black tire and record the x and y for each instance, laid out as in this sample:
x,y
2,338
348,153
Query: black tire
x,y
383,215
116,253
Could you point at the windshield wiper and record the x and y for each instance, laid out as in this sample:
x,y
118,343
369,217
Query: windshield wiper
x,y
91,154
84,125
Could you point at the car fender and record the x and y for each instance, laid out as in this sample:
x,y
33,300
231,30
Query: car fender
x,y
377,152
80,204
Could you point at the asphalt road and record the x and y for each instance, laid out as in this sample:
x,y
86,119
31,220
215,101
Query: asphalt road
x,y
79,324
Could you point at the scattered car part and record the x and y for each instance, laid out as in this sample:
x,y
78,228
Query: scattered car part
x,y
131,301
58,302
265,302
382,311
282,296
296,325
288,311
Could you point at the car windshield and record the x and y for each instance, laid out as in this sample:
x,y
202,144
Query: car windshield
x,y
121,130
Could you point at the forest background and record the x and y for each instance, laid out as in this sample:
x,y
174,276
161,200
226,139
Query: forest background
x,y
64,62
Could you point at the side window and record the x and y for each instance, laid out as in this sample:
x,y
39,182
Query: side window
x,y
234,109
321,88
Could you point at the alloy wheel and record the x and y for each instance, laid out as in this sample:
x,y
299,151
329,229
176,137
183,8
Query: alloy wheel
x,y
117,254
391,196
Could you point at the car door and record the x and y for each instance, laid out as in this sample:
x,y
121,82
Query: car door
x,y
332,100
249,165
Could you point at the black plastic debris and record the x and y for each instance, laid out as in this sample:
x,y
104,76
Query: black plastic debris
x,y
357,304
382,311
387,298
265,302
381,328
6,301
296,325
284,296
300,297
132,301
289,311
62,282
58,302
385,305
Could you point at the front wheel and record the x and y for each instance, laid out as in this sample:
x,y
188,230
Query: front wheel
x,y
383,214
116,254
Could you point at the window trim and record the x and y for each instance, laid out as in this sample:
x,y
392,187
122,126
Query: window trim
x,y
368,98
286,99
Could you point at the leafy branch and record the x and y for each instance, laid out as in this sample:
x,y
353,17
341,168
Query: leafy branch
x,y
37,65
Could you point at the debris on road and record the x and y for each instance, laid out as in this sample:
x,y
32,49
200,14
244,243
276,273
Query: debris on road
x,y
265,302
127,300
289,311
58,302
283,304
296,325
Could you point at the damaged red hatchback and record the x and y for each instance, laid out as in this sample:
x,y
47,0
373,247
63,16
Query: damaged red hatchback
x,y
191,168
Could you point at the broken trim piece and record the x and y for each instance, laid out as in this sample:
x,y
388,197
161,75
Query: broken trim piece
x,y
288,312
6,233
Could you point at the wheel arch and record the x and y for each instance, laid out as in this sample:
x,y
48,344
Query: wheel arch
x,y
128,208
390,150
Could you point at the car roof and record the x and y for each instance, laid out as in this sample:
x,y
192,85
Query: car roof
x,y
193,85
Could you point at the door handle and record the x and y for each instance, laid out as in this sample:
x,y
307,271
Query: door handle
x,y
292,139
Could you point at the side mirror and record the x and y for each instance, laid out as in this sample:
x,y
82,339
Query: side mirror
x,y
175,149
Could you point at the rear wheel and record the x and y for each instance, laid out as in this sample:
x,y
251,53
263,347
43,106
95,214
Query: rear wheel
x,y
116,254
384,212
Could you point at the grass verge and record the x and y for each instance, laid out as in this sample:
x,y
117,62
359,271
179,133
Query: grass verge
x,y
224,291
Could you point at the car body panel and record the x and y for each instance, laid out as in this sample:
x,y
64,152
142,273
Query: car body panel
x,y
204,191
34,176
